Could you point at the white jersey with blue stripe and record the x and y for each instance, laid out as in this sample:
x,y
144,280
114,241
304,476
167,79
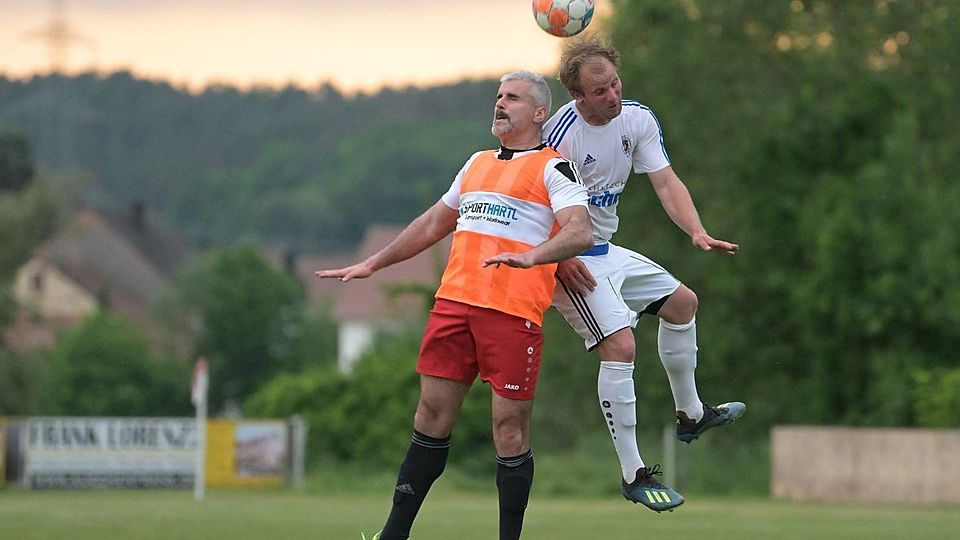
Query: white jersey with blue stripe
x,y
606,154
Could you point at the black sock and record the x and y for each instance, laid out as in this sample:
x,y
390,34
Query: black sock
x,y
514,478
425,460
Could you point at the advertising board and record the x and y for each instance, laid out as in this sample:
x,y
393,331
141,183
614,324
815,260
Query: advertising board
x,y
72,452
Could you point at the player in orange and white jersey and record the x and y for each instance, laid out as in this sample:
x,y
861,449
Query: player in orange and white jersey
x,y
514,212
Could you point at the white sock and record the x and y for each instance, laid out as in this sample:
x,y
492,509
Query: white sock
x,y
618,402
677,344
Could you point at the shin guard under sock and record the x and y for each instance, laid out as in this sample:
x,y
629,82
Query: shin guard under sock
x,y
424,463
514,478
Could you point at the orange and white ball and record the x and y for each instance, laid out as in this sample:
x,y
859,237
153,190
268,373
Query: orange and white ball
x,y
563,18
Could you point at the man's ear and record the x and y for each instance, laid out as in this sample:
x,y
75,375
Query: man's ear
x,y
540,115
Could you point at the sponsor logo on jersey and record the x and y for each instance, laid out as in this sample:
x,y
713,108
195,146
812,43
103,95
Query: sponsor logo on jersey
x,y
604,199
509,386
499,213
589,159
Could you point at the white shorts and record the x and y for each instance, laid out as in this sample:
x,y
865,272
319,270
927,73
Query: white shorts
x,y
627,284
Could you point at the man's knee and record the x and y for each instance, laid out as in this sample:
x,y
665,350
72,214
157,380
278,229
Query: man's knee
x,y
681,307
618,347
511,431
509,438
434,418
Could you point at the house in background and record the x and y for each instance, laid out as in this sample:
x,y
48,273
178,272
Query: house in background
x,y
364,307
123,261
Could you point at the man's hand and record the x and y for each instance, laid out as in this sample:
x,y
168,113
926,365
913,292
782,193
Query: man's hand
x,y
357,271
708,243
516,260
575,275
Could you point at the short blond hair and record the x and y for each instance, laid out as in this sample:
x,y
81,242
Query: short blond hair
x,y
576,53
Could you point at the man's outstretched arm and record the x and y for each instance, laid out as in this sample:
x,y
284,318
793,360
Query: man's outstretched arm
x,y
676,201
424,231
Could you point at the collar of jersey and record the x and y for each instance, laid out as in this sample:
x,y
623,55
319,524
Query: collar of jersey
x,y
507,154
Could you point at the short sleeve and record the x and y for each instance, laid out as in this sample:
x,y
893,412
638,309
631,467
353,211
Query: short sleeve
x,y
563,183
650,154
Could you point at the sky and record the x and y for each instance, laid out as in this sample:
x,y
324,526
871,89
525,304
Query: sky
x,y
357,45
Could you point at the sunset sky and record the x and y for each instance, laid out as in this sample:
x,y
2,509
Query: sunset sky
x,y
354,44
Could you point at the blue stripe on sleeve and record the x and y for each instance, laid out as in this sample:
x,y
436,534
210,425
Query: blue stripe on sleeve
x,y
663,146
560,130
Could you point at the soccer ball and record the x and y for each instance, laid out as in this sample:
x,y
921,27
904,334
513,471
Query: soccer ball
x,y
563,18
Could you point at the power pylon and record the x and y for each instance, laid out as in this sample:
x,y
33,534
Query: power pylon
x,y
59,36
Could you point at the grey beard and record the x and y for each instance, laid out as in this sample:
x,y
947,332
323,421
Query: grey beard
x,y
499,130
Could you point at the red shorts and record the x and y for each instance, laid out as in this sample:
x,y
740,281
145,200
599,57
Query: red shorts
x,y
462,341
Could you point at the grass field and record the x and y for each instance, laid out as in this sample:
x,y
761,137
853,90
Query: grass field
x,y
449,513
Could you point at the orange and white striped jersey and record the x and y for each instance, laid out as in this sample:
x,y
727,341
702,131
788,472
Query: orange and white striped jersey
x,y
507,200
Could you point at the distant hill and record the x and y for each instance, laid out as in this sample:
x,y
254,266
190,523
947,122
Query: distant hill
x,y
303,169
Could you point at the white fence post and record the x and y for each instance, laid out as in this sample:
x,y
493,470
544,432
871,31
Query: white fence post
x,y
670,456
298,450
198,395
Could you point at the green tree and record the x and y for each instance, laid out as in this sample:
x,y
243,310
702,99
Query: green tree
x,y
23,383
250,317
16,161
28,213
203,146
937,398
26,219
368,414
316,344
399,176
104,367
819,135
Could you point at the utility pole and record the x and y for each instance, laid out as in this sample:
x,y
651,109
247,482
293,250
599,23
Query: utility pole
x,y
59,36
57,144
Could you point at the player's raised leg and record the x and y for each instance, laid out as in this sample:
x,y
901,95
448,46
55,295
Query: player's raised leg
x,y
605,323
677,345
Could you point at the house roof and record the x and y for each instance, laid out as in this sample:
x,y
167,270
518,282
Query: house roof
x,y
151,235
370,299
125,263
126,260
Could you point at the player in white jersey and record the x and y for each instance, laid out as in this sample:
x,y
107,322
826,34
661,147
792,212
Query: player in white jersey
x,y
603,292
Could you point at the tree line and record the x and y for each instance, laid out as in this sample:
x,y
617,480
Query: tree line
x,y
307,169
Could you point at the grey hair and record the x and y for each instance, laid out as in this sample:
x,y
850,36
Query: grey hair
x,y
541,90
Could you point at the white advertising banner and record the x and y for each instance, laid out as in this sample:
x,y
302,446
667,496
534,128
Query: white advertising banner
x,y
70,452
